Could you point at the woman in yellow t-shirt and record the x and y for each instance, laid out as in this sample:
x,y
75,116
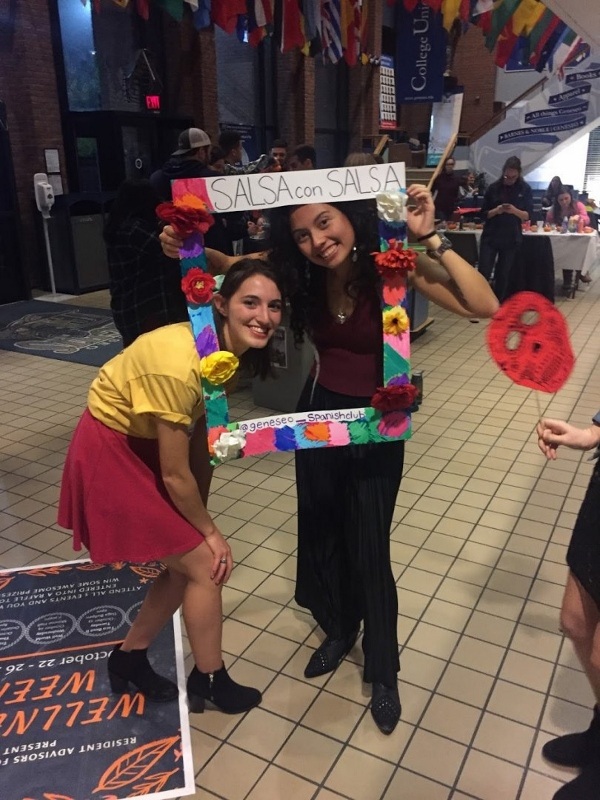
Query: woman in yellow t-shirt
x,y
135,485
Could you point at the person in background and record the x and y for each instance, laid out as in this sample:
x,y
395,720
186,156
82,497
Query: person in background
x,y
190,160
231,144
470,188
303,157
359,159
217,159
551,192
580,613
566,206
145,285
135,485
446,188
278,153
507,204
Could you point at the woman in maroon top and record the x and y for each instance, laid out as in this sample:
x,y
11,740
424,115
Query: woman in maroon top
x,y
346,495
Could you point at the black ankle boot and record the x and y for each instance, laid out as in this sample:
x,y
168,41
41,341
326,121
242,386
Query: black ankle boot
x,y
584,787
329,655
385,707
575,749
220,690
133,667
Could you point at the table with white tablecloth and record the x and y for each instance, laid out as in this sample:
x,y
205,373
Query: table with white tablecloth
x,y
543,256
578,251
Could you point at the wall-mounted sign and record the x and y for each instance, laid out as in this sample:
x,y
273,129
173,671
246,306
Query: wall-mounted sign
x,y
153,102
387,94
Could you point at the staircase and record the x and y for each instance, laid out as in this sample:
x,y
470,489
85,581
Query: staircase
x,y
545,122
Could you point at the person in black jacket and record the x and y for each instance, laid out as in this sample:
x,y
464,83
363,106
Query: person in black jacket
x,y
190,160
145,286
507,204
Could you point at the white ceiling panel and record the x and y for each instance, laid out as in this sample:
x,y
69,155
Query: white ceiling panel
x,y
583,16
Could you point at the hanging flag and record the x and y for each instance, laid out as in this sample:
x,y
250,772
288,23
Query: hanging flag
x,y
202,15
450,11
172,7
539,29
550,46
562,50
193,4
225,13
483,7
312,19
353,22
292,34
500,17
330,30
505,46
420,55
527,16
143,9
409,5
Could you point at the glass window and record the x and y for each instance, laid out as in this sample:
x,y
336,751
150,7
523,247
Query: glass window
x,y
79,53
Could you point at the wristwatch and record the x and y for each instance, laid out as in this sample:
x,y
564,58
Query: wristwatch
x,y
445,244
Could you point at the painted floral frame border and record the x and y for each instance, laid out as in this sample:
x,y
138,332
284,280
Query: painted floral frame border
x,y
387,419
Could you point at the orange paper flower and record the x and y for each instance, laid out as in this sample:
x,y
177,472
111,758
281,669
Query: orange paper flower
x,y
395,258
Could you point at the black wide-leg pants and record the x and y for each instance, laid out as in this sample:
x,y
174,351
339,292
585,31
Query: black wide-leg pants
x,y
346,498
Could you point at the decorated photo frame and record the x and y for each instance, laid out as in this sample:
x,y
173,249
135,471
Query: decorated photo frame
x,y
388,418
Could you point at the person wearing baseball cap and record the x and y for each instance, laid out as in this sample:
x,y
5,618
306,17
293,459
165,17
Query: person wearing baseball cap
x,y
191,160
192,140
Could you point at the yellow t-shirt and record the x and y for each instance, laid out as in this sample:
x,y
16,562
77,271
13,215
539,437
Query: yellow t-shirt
x,y
158,375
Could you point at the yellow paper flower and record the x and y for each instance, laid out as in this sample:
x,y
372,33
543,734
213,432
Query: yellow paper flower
x,y
395,321
219,367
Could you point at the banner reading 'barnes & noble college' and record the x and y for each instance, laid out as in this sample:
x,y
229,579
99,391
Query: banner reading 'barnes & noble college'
x,y
420,54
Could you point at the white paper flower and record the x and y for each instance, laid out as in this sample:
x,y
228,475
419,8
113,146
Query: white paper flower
x,y
229,444
391,207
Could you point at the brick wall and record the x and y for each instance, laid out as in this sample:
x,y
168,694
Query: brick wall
x,y
29,89
475,69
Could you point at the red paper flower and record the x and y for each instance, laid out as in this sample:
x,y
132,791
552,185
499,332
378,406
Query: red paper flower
x,y
394,398
184,219
395,258
197,286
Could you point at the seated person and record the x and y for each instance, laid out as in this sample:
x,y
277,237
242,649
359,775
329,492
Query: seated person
x,y
566,206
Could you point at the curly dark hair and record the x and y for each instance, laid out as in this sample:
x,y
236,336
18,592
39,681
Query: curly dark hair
x,y
305,282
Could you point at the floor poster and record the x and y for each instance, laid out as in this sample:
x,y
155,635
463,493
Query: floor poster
x,y
64,735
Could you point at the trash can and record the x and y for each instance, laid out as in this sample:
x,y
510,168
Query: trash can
x,y
291,365
77,245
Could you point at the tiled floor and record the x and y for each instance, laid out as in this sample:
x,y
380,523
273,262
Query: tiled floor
x,y
478,549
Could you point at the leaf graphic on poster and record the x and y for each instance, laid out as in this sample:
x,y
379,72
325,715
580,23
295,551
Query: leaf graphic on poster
x,y
152,783
42,572
134,765
50,796
146,571
91,567
4,581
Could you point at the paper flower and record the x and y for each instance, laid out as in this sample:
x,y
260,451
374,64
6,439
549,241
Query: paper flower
x,y
229,444
391,207
219,367
395,321
184,219
396,257
197,286
191,200
394,398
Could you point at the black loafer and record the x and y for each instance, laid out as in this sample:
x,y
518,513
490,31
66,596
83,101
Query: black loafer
x,y
329,655
385,707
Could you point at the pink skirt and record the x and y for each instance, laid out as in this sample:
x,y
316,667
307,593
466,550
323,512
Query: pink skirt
x,y
114,500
